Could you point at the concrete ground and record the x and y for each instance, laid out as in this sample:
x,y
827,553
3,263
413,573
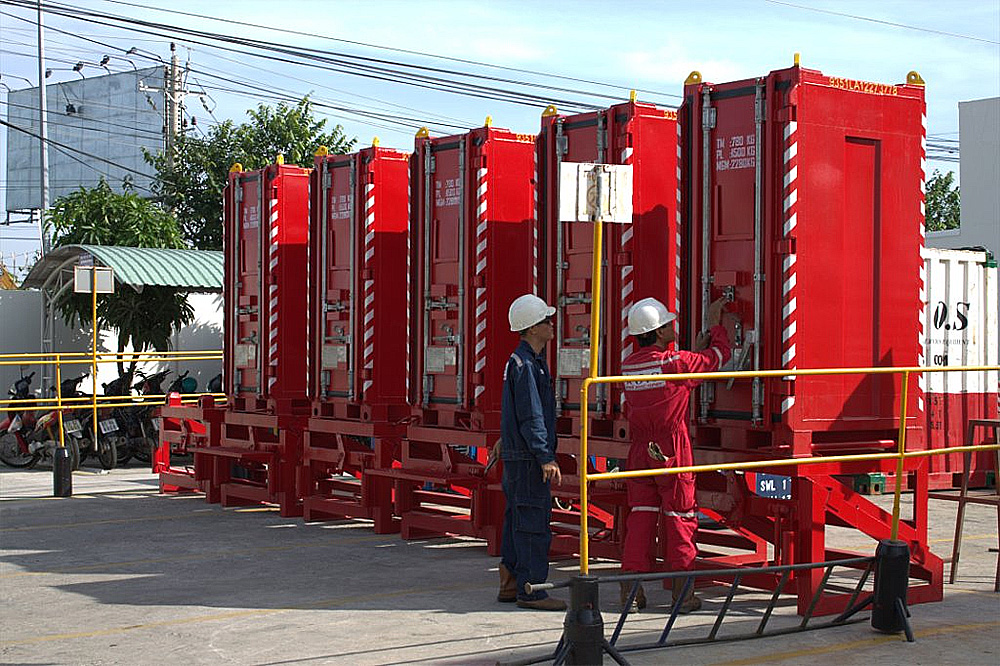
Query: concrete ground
x,y
119,574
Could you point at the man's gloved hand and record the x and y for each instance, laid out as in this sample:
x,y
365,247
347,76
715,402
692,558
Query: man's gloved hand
x,y
551,472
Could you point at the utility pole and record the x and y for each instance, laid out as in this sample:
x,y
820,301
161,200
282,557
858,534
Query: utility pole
x,y
172,120
43,134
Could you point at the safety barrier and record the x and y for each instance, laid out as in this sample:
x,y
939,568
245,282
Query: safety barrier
x,y
59,404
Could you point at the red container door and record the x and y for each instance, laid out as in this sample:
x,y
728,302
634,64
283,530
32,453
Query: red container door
x,y
641,258
361,286
333,303
474,252
808,189
266,264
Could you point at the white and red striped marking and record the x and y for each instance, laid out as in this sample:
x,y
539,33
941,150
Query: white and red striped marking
x,y
272,307
481,254
677,231
627,275
368,309
788,267
922,316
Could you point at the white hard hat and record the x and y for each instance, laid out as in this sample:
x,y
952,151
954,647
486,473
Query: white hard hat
x,y
526,311
648,315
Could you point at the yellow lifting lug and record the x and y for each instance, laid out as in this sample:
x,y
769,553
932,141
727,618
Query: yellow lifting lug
x,y
914,79
632,96
488,122
322,151
236,168
374,142
280,159
796,58
423,133
550,111
693,77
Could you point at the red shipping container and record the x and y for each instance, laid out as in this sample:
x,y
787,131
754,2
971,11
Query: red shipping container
x,y
474,251
266,224
359,285
808,191
641,257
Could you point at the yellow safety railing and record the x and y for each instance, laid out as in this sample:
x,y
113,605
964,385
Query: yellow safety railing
x,y
595,327
94,401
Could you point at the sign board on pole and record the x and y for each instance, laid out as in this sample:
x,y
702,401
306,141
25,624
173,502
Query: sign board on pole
x,y
595,192
104,278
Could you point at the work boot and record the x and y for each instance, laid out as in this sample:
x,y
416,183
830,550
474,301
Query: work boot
x,y
625,589
690,603
547,604
508,586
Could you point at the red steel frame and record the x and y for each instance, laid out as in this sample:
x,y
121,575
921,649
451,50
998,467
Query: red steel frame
x,y
837,169
359,318
474,251
266,221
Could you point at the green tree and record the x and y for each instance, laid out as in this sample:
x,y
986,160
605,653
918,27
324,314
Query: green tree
x,y
943,203
192,186
100,216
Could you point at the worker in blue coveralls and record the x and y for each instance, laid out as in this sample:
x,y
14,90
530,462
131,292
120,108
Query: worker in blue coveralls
x,y
528,451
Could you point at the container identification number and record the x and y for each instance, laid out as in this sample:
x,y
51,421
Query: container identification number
x,y
866,87
446,193
341,207
735,152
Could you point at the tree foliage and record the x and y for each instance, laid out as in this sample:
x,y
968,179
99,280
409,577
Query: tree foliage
x,y
192,186
100,216
943,203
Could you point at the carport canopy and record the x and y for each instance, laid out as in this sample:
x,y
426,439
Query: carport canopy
x,y
136,267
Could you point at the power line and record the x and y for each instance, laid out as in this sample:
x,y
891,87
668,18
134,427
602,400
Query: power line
x,y
394,49
879,21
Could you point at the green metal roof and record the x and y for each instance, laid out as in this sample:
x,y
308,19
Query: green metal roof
x,y
189,270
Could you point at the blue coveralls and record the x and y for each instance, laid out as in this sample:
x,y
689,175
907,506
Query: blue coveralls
x,y
528,427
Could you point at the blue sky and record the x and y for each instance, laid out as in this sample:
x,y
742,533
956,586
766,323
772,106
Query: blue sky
x,y
645,45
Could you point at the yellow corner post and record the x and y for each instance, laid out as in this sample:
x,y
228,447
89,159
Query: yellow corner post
x,y
902,454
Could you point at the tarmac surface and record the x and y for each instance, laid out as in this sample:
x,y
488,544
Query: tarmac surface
x,y
120,574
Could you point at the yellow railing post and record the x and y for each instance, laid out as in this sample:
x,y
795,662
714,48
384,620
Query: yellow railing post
x,y
62,435
595,333
902,454
93,370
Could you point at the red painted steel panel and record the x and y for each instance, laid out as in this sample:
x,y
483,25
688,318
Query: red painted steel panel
x,y
474,251
266,224
838,166
641,257
359,284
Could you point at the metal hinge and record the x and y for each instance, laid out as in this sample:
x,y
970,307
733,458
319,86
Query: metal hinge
x,y
246,310
562,144
239,192
431,163
336,306
574,300
327,179
708,117
759,109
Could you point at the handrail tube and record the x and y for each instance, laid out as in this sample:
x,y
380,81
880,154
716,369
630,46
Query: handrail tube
x,y
785,462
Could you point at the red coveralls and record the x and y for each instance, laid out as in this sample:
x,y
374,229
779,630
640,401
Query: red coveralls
x,y
657,412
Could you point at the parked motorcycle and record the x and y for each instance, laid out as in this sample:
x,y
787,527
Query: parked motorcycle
x,y
140,422
26,438
79,425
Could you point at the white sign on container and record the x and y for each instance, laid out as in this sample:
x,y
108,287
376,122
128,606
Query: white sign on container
x,y
595,192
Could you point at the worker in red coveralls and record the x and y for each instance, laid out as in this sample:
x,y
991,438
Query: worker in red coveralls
x,y
657,415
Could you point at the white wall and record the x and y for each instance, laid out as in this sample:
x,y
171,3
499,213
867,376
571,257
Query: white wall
x,y
20,333
979,136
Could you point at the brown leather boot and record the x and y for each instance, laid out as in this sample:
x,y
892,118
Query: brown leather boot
x,y
547,604
508,586
625,589
690,603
